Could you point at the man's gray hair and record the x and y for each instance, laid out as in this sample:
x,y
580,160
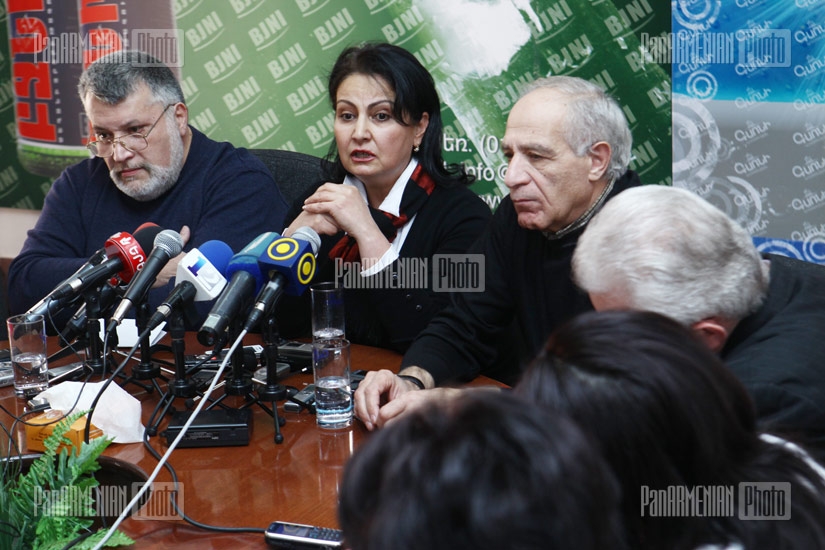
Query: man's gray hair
x,y
667,250
592,116
115,76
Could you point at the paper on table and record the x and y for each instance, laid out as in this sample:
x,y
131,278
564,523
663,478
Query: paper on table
x,y
117,413
127,334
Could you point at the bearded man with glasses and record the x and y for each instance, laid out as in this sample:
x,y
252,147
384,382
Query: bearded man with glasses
x,y
148,164
160,178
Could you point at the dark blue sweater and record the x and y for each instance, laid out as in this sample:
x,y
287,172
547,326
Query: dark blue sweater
x,y
223,193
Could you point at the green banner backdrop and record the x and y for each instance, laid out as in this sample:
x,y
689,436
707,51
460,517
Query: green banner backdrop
x,y
254,71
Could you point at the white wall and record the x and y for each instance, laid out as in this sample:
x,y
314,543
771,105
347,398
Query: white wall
x,y
14,223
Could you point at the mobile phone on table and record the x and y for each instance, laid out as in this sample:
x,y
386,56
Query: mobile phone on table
x,y
6,368
297,355
281,534
304,399
72,371
6,373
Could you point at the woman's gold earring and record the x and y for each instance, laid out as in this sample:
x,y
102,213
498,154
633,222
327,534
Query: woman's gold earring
x,y
415,149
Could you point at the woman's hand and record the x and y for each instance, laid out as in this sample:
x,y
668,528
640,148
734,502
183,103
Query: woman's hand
x,y
343,204
343,207
321,223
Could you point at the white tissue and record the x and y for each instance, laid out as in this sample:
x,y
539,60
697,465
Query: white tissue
x,y
117,413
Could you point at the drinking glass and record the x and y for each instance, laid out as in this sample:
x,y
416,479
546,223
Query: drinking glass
x,y
327,311
27,340
333,394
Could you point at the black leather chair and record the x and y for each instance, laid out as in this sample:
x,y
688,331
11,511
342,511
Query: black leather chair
x,y
293,171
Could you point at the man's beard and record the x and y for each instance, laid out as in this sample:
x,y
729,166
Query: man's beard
x,y
161,178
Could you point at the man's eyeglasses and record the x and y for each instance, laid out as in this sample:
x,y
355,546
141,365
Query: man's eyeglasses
x,y
105,148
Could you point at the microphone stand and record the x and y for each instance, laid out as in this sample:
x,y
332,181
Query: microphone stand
x,y
73,338
146,369
94,346
272,391
181,386
73,335
82,331
239,382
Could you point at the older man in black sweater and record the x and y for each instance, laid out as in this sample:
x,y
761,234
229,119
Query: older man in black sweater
x,y
568,145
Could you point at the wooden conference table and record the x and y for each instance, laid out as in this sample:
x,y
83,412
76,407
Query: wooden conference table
x,y
242,486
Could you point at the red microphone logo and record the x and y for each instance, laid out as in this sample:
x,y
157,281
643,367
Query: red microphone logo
x,y
124,246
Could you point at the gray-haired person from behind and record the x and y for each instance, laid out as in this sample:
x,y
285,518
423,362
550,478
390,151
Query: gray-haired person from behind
x,y
667,250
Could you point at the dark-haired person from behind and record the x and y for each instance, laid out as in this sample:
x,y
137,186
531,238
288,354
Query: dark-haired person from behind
x,y
482,473
389,204
671,417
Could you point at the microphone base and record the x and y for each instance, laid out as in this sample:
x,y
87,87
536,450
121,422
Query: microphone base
x,y
272,392
242,386
178,388
151,386
100,367
238,385
146,376
147,372
182,388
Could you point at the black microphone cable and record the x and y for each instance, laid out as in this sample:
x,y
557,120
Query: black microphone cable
x,y
162,462
173,500
20,419
109,380
10,432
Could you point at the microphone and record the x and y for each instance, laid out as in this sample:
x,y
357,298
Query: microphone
x,y
204,268
168,244
245,279
199,278
182,294
121,255
290,263
49,304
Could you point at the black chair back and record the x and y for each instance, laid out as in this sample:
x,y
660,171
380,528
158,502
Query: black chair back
x,y
294,172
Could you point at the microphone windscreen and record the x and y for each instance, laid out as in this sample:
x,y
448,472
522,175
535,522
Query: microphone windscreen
x,y
294,258
124,248
205,268
145,235
247,259
170,242
132,250
218,253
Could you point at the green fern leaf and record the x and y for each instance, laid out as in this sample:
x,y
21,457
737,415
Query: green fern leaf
x,y
50,505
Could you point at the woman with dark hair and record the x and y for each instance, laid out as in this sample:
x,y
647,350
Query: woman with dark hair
x,y
673,420
390,202
482,472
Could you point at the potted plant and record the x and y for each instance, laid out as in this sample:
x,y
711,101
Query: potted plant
x,y
50,504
